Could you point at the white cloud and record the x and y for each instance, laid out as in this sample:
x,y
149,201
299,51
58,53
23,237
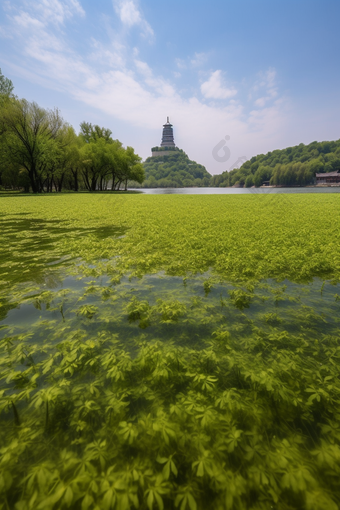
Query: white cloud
x,y
107,56
199,59
266,84
180,63
261,101
24,20
40,13
115,80
192,62
214,88
143,68
57,11
128,12
160,86
130,15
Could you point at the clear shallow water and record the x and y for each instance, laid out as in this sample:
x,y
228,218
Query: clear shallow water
x,y
236,191
183,311
46,298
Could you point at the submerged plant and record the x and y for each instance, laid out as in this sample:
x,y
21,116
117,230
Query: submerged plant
x,y
122,388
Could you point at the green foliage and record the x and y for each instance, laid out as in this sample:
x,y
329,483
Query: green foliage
x,y
232,437
40,151
6,88
240,298
293,166
249,182
174,170
89,133
165,148
103,160
151,361
32,138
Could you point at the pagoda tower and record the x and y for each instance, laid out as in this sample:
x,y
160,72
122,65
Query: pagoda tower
x,y
168,135
168,144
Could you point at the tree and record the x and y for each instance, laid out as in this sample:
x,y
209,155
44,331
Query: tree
x,y
6,89
6,86
176,168
105,159
263,173
95,162
31,138
116,163
59,158
40,150
102,157
283,164
92,133
74,163
132,168
249,181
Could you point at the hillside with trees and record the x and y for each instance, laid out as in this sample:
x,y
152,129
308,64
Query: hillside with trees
x,y
40,152
174,171
294,166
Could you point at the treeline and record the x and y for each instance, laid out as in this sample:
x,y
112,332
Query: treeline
x,y
293,166
41,152
174,171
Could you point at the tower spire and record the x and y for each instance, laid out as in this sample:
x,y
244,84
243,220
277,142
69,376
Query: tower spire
x,y
168,135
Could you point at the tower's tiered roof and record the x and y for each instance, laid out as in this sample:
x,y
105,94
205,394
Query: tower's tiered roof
x,y
168,135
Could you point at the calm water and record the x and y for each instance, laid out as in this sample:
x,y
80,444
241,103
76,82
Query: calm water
x,y
58,301
236,191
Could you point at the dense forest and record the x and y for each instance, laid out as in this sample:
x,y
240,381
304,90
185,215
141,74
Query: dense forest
x,y
40,152
174,171
293,166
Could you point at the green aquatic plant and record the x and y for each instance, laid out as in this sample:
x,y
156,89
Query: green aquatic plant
x,y
122,388
240,298
272,319
87,311
268,423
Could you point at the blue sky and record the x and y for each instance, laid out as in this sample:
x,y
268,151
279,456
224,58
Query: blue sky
x,y
264,73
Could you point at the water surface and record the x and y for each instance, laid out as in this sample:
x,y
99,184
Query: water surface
x,y
236,191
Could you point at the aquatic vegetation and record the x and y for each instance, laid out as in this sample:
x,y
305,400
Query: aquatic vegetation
x,y
170,352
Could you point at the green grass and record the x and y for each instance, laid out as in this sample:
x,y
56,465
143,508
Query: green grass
x,y
170,352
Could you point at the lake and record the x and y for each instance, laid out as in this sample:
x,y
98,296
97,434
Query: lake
x,y
236,191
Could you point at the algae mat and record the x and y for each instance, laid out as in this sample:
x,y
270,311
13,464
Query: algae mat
x,y
170,351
